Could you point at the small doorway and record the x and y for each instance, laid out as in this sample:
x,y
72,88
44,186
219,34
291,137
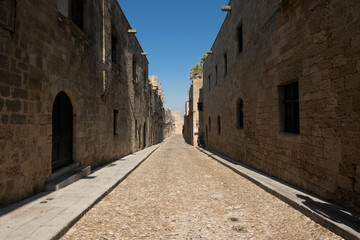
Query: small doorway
x,y
62,131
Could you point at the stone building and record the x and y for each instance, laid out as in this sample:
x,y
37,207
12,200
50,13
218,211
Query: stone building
x,y
178,122
191,118
282,93
73,88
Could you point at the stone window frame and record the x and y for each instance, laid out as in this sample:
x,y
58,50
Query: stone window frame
x,y
289,108
240,114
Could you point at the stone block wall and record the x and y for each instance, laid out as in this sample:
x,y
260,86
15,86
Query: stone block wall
x,y
314,43
45,53
191,119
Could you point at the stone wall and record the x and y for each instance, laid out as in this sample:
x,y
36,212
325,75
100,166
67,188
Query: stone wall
x,y
314,43
178,122
46,53
191,119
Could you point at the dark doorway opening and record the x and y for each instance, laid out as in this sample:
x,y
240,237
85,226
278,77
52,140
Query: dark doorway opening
x,y
62,131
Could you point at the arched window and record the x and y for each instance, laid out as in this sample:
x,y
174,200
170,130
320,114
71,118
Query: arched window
x,y
240,114
219,125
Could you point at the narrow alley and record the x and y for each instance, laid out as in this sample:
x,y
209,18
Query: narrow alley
x,y
181,193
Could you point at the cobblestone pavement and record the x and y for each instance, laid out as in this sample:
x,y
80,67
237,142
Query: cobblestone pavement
x,y
180,193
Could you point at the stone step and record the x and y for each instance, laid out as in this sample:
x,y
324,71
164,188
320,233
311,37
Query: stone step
x,y
64,170
68,178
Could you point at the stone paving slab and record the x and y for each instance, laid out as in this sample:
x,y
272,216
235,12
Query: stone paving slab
x,y
48,215
339,220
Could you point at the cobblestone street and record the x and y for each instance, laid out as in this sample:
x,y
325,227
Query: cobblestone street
x,y
181,193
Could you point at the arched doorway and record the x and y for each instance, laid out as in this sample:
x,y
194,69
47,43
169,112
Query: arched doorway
x,y
62,131
144,137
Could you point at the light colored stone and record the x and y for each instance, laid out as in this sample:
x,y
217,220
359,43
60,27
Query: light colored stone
x,y
168,199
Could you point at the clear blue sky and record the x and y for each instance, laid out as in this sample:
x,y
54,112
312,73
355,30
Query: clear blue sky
x,y
175,34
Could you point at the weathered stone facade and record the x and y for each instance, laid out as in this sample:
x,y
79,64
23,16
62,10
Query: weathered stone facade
x,y
178,122
48,48
191,118
269,47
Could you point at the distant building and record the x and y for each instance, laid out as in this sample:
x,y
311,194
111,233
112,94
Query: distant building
x,y
178,122
191,118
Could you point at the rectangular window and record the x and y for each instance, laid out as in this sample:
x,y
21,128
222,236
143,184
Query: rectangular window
x,y
240,38
7,14
136,129
225,64
116,112
209,83
77,13
200,106
291,108
114,46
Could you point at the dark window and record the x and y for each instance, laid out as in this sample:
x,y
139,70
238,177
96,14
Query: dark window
x,y
209,82
225,64
240,114
116,112
209,124
219,125
77,13
7,14
291,108
135,129
216,75
240,38
114,46
200,106
134,69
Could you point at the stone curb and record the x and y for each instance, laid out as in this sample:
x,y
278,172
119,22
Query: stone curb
x,y
72,222
49,215
288,193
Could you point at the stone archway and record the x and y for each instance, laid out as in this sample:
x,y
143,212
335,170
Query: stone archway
x,y
62,131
